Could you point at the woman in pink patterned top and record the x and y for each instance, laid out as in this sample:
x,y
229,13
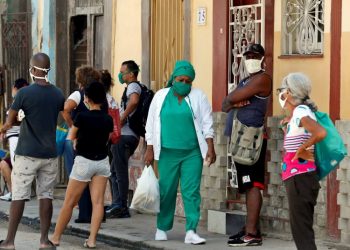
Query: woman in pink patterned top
x,y
298,168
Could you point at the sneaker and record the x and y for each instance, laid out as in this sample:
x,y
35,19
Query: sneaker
x,y
237,235
160,235
193,238
118,212
246,240
6,197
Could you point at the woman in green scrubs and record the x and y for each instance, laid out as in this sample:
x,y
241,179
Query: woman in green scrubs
x,y
179,135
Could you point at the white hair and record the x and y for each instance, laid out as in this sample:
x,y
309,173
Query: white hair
x,y
299,86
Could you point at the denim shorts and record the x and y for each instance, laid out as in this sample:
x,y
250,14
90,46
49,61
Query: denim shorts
x,y
84,169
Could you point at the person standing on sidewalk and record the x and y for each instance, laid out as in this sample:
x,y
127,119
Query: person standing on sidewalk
x,y
251,98
179,134
90,134
73,106
127,145
299,174
12,137
36,154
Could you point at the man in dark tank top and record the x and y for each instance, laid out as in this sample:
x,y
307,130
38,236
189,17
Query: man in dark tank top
x,y
250,98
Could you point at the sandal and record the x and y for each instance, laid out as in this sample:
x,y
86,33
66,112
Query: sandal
x,y
86,245
4,248
50,246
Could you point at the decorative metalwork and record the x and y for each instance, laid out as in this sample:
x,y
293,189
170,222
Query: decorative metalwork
x,y
247,25
303,25
88,3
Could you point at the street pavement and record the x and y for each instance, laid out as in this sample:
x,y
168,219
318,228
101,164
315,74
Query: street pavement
x,y
28,238
138,231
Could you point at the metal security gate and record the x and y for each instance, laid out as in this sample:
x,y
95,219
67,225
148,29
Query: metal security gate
x,y
15,51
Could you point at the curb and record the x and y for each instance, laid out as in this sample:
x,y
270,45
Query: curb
x,y
110,240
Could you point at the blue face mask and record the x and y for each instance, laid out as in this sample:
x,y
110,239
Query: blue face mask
x,y
183,89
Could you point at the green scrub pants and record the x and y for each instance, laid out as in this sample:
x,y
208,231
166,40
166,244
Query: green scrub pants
x,y
186,166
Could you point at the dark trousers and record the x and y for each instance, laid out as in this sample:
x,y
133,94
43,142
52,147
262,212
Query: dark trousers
x,y
302,192
120,169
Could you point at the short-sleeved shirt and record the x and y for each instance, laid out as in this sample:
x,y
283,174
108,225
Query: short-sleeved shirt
x,y
178,131
132,88
295,137
94,128
41,105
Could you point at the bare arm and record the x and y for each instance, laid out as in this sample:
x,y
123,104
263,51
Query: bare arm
x,y
259,85
132,105
317,134
11,119
69,106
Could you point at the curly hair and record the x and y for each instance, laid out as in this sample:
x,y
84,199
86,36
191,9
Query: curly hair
x,y
85,75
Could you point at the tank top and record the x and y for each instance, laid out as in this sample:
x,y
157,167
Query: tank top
x,y
253,115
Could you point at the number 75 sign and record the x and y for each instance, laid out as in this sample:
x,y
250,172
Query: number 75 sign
x,y
201,16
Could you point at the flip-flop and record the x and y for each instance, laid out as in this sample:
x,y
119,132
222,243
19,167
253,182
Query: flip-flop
x,y
86,245
3,248
51,246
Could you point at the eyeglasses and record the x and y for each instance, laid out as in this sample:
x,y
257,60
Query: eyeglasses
x,y
281,90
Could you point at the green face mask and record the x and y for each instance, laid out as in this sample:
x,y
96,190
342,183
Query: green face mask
x,y
181,88
120,77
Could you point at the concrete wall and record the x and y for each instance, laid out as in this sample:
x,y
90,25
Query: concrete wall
x,y
127,43
202,47
44,31
318,69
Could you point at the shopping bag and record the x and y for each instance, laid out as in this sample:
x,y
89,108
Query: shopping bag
x,y
146,197
331,150
116,134
61,135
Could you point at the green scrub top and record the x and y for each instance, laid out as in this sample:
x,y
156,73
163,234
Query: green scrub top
x,y
177,130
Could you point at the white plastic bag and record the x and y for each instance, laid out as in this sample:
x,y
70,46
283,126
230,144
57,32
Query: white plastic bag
x,y
146,197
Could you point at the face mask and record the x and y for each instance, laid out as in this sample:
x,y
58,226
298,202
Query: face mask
x,y
282,102
181,88
33,77
253,65
120,77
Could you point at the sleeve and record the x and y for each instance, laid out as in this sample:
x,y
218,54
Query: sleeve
x,y
151,118
18,101
207,118
75,96
300,112
78,120
133,88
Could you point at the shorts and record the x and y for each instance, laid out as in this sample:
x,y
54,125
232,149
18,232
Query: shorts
x,y
84,169
13,140
8,161
26,169
254,175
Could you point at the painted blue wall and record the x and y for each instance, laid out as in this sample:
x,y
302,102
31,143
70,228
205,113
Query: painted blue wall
x,y
48,45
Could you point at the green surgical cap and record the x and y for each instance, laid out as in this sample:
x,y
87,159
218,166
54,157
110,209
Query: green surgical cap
x,y
182,68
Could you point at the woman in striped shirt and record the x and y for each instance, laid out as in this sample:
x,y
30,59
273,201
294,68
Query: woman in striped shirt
x,y
298,168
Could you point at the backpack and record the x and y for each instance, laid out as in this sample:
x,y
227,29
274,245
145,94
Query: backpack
x,y
137,121
331,150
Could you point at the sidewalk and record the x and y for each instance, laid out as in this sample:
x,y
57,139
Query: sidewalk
x,y
138,231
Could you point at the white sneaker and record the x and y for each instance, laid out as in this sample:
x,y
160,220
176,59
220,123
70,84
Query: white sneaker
x,y
161,235
193,238
6,197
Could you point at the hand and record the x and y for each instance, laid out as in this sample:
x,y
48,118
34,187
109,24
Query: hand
x,y
211,156
149,155
303,154
241,104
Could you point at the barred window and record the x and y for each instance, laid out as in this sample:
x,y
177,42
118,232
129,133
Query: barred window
x,y
302,27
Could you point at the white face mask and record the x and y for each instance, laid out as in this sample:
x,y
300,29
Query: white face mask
x,y
253,65
33,77
282,102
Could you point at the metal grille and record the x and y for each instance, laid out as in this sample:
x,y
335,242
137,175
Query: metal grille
x,y
15,48
88,3
167,39
247,25
303,25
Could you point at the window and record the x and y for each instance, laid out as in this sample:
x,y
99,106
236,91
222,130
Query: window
x,y
302,27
